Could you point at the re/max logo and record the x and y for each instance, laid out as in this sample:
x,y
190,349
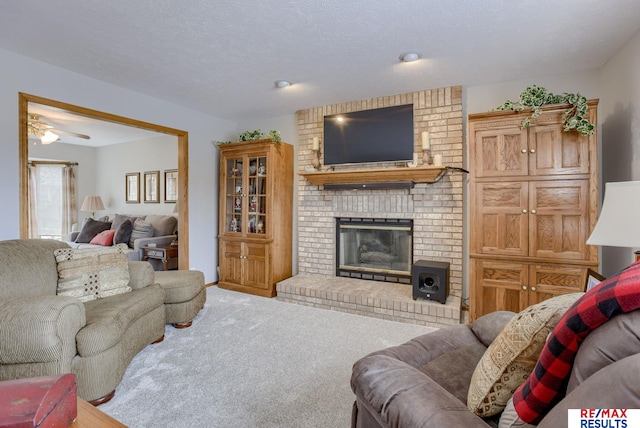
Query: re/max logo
x,y
603,413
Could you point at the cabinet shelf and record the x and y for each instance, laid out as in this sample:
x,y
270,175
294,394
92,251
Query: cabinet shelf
x,y
423,174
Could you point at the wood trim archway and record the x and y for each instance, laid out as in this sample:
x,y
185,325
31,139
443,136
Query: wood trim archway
x,y
183,161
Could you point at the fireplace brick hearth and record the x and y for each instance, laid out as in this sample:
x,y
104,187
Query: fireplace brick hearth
x,y
436,210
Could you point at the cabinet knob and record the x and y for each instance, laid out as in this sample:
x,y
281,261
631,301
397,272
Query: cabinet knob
x,y
532,150
533,288
524,150
524,211
524,287
533,211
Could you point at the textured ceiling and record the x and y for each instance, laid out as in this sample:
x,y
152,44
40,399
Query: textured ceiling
x,y
222,57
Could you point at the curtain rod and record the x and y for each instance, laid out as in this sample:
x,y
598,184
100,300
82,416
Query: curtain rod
x,y
53,163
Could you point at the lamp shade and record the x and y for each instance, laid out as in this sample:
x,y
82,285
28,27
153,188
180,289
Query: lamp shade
x,y
618,224
92,203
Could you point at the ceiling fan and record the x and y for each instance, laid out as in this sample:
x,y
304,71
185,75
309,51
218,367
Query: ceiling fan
x,y
37,127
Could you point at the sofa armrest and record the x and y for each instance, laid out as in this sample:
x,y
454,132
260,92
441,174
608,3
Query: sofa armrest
x,y
40,329
399,395
141,274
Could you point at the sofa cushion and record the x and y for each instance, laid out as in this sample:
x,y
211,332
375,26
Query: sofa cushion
x,y
91,228
180,285
104,238
162,224
109,318
141,229
123,232
510,359
92,273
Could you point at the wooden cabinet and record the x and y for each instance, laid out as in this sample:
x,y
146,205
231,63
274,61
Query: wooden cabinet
x,y
255,214
533,204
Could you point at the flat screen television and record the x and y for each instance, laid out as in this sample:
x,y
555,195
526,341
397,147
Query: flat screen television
x,y
378,135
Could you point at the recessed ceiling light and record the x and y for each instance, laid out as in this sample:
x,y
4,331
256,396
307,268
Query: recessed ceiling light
x,y
282,83
409,57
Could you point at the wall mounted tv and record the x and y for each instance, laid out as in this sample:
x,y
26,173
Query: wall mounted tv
x,y
378,135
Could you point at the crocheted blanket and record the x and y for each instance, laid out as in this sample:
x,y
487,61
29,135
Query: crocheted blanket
x,y
547,383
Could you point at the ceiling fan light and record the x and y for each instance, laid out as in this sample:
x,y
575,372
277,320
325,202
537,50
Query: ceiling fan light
x,y
409,57
48,137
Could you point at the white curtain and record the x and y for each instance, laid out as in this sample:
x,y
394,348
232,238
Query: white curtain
x,y
52,208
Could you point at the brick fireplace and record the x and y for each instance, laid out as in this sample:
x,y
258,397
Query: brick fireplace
x,y
435,210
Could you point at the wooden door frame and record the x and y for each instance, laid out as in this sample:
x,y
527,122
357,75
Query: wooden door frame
x,y
183,161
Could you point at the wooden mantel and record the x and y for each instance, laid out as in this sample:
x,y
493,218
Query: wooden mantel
x,y
423,174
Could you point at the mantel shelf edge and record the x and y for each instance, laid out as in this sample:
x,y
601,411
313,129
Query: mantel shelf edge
x,y
423,174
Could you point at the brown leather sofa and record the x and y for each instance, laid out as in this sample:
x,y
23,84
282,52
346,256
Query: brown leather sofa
x,y
424,382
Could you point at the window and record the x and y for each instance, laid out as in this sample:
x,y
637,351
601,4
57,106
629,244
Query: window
x,y
51,213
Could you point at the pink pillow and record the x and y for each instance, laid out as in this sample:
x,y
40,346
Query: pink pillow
x,y
104,238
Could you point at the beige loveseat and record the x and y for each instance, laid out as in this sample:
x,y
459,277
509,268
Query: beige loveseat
x,y
42,333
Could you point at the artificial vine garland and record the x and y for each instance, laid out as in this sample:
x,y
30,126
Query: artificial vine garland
x,y
256,135
536,97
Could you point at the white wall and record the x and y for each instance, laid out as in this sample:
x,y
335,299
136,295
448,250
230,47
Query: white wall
x,y
620,132
22,74
152,154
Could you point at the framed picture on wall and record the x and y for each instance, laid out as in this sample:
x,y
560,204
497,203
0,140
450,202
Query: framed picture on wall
x,y
132,188
593,279
151,187
171,185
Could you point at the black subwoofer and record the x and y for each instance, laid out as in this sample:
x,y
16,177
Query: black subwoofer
x,y
430,280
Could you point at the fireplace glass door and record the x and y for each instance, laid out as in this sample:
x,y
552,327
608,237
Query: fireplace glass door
x,y
375,249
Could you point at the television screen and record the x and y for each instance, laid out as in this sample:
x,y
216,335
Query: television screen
x,y
378,135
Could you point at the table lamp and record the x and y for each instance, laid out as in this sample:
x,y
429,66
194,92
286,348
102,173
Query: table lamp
x,y
92,203
619,221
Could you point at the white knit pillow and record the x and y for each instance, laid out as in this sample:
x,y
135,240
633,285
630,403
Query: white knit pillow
x,y
92,273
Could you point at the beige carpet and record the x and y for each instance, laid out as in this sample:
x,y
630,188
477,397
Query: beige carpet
x,y
249,361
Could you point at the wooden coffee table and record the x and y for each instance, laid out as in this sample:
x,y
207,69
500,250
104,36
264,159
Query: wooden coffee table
x,y
91,417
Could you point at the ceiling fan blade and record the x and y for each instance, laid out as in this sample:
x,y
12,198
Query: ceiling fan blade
x,y
71,134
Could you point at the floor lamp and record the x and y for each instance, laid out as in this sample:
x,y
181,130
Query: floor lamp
x,y
619,221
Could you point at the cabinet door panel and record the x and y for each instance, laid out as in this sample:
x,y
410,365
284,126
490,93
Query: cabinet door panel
x,y
500,225
559,219
499,286
556,151
546,281
256,265
231,266
499,153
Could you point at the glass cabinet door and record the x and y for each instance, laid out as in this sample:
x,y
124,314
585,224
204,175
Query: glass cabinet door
x,y
234,196
257,195
246,195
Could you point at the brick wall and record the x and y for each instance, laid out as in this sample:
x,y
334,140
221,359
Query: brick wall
x,y
436,209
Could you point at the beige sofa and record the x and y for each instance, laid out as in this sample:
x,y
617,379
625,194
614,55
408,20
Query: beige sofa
x,y
42,333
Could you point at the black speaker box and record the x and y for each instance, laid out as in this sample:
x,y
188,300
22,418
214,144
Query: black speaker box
x,y
430,280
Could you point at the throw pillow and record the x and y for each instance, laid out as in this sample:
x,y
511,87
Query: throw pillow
x,y
510,358
123,233
162,224
92,273
90,229
104,238
141,229
118,219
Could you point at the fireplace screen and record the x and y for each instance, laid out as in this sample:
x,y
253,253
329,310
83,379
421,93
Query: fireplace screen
x,y
375,249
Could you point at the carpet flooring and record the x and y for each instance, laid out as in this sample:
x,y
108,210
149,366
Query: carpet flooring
x,y
250,361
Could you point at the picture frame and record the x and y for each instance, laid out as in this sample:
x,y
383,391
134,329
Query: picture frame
x,y
593,279
151,187
132,188
171,186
